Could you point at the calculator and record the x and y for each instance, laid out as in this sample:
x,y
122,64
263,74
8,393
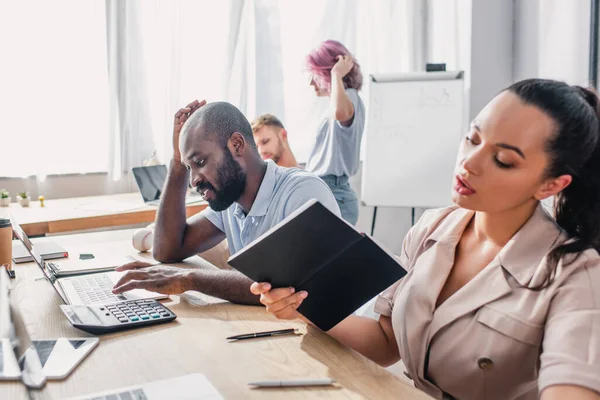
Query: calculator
x,y
98,318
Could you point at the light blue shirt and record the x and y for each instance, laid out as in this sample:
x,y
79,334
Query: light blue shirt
x,y
282,191
336,150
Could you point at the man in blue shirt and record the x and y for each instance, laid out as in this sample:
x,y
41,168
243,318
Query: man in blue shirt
x,y
247,196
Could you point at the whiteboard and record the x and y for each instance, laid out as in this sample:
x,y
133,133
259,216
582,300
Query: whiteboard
x,y
413,130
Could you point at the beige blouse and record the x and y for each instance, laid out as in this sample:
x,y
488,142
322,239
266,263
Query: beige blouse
x,y
495,338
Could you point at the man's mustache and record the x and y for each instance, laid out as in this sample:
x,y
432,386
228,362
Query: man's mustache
x,y
204,185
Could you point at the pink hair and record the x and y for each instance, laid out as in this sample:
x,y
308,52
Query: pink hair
x,y
321,60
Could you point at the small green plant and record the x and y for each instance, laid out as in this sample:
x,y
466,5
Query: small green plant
x,y
23,195
4,194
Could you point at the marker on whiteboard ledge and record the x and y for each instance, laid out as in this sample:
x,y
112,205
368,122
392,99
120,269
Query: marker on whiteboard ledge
x,y
431,67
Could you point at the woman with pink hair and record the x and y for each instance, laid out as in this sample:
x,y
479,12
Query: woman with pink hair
x,y
334,157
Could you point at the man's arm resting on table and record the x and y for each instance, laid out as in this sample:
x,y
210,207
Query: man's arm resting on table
x,y
176,238
230,285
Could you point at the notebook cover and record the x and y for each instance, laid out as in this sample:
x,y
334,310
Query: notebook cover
x,y
317,251
349,281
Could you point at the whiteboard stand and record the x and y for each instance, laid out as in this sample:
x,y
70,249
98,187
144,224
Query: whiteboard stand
x,y
415,122
373,223
412,219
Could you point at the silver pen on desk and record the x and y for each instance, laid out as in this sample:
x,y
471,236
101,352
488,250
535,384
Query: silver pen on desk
x,y
293,383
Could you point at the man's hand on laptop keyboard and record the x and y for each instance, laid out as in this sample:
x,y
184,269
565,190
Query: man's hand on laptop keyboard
x,y
155,278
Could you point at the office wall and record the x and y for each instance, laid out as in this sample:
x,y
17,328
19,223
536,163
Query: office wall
x,y
491,51
526,39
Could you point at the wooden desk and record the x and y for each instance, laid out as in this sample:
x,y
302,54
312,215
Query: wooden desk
x,y
68,215
195,342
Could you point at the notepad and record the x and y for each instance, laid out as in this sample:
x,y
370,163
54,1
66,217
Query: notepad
x,y
317,251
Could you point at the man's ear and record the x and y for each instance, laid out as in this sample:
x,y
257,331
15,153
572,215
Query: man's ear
x,y
283,134
237,144
553,186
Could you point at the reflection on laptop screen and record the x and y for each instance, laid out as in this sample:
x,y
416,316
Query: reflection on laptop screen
x,y
150,181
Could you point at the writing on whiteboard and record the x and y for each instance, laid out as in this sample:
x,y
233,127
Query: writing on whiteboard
x,y
438,97
394,132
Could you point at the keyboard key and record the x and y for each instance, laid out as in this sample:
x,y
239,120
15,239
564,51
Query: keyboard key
x,y
135,319
123,319
144,317
154,315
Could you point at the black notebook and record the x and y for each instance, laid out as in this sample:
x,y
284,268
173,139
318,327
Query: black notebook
x,y
315,250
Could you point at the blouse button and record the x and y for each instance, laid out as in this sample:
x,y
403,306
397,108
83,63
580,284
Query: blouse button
x,y
485,363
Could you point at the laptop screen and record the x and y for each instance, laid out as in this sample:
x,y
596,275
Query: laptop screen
x,y
150,181
20,234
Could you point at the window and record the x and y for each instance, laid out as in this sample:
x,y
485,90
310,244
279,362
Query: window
x,y
54,96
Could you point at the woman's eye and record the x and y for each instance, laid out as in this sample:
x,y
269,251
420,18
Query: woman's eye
x,y
501,164
200,163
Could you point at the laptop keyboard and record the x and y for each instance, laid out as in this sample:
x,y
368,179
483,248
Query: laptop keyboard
x,y
135,394
96,288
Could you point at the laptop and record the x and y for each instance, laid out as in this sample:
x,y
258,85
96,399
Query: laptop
x,y
71,265
151,181
186,387
34,361
87,289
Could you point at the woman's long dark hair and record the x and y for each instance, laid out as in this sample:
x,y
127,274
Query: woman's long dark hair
x,y
574,149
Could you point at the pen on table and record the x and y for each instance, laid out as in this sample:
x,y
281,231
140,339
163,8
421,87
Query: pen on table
x,y
264,334
293,383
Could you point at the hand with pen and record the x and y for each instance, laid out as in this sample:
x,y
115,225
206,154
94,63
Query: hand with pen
x,y
281,302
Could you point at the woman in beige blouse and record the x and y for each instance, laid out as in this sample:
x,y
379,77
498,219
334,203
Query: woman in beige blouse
x,y
501,301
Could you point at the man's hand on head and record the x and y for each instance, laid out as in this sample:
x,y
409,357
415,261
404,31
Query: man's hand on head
x,y
181,116
155,278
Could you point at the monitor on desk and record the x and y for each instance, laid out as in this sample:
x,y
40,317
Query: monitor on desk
x,y
151,181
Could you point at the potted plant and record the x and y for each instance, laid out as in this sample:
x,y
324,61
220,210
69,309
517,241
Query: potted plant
x,y
23,199
4,198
